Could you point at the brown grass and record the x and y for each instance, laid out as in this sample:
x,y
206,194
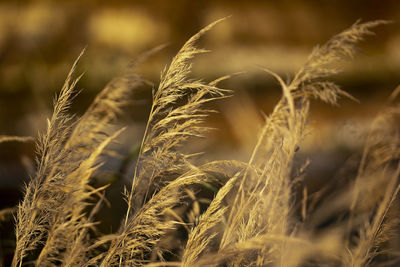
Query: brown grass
x,y
252,219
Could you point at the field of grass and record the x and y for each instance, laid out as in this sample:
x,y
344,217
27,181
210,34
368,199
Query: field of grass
x,y
183,209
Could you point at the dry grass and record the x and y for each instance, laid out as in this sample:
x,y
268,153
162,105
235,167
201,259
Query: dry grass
x,y
251,221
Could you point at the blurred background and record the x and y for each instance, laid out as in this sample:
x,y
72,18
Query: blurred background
x,y
39,40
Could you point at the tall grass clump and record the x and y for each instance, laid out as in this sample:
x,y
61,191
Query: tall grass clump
x,y
253,218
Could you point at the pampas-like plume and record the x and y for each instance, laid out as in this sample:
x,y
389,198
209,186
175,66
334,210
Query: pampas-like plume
x,y
60,193
143,230
133,243
200,236
168,127
88,140
43,194
262,204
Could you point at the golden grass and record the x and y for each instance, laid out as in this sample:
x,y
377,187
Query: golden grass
x,y
251,221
